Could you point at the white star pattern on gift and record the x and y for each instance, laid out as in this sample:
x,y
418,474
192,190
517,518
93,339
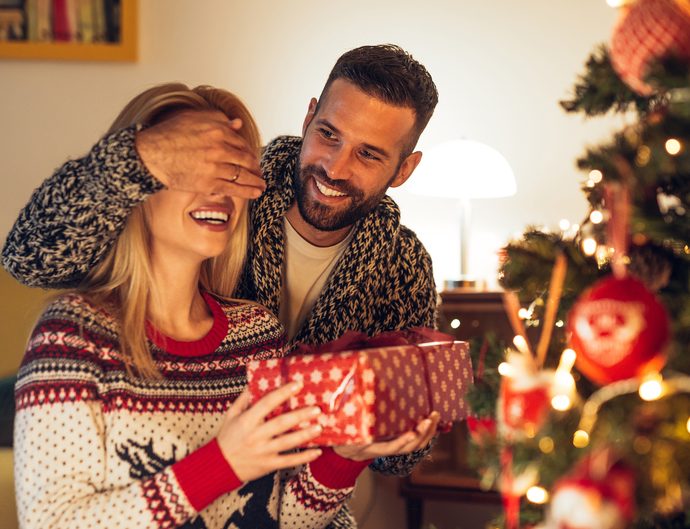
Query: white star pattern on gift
x,y
349,409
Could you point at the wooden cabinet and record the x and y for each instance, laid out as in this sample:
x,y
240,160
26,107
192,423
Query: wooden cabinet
x,y
124,50
446,476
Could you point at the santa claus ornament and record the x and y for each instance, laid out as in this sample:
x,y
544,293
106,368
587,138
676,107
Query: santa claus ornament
x,y
596,495
649,30
619,330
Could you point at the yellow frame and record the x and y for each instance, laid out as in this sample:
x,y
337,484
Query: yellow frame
x,y
125,50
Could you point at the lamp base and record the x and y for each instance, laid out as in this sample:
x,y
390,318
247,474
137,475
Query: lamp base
x,y
465,282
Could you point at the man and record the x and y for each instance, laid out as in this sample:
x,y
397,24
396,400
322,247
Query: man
x,y
328,252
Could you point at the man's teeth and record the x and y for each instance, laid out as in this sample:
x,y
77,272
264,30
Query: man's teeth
x,y
329,192
213,217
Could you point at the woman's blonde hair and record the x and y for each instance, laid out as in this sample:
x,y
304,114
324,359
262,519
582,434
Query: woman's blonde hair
x,y
123,280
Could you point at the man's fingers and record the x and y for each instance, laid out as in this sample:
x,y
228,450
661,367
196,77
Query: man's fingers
x,y
387,448
233,155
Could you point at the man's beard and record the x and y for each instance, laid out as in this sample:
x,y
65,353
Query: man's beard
x,y
327,218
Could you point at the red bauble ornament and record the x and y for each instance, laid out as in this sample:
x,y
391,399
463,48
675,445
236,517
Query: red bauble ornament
x,y
647,31
481,428
619,330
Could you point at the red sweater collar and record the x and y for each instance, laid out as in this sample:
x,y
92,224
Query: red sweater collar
x,y
202,346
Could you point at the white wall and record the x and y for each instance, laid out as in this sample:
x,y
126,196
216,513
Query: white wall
x,y
500,68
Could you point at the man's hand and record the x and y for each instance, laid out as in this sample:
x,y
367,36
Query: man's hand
x,y
202,152
404,444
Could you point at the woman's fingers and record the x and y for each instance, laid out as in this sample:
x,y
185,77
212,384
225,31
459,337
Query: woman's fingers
x,y
293,439
241,403
269,402
289,420
295,459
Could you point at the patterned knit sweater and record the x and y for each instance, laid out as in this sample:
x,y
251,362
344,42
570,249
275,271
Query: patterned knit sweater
x,y
384,280
95,446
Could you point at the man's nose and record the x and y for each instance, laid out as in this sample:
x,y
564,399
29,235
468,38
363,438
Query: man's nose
x,y
338,164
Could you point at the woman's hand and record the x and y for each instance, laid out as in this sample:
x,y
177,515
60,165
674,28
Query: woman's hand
x,y
403,444
254,446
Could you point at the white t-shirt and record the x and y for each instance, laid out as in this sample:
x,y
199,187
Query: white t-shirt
x,y
307,268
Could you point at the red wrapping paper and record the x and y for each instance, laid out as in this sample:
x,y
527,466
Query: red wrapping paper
x,y
372,391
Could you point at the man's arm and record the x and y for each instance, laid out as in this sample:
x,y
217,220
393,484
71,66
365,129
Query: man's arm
x,y
412,304
74,216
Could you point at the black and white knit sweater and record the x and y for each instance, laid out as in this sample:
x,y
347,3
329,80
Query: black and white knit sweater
x,y
384,280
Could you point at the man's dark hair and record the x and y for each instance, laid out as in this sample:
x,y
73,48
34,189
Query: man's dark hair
x,y
389,73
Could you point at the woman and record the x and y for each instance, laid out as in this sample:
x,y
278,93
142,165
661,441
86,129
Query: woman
x,y
130,403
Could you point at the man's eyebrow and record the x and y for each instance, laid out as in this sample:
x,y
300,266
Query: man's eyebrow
x,y
381,152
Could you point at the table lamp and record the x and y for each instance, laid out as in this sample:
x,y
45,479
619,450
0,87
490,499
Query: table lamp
x,y
463,170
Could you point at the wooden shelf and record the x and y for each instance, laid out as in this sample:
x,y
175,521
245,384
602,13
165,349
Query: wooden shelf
x,y
123,51
446,476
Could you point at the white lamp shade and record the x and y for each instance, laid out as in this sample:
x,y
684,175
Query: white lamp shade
x,y
463,169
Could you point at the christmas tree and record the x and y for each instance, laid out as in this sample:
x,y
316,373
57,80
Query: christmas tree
x,y
584,420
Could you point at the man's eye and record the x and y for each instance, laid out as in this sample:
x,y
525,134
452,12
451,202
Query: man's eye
x,y
326,134
369,155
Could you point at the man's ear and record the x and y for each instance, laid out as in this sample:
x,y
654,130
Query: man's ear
x,y
311,112
407,167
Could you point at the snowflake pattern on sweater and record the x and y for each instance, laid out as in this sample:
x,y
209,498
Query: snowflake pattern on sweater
x,y
95,444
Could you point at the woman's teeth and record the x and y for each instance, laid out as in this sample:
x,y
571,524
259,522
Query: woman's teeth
x,y
329,192
212,217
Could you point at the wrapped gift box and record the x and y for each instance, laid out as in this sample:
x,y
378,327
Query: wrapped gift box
x,y
375,393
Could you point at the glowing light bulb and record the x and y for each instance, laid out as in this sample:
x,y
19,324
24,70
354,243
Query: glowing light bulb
x,y
455,323
564,224
589,246
523,313
505,369
595,175
521,344
537,495
580,439
596,216
561,402
564,381
688,425
673,146
560,323
652,387
568,357
546,445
